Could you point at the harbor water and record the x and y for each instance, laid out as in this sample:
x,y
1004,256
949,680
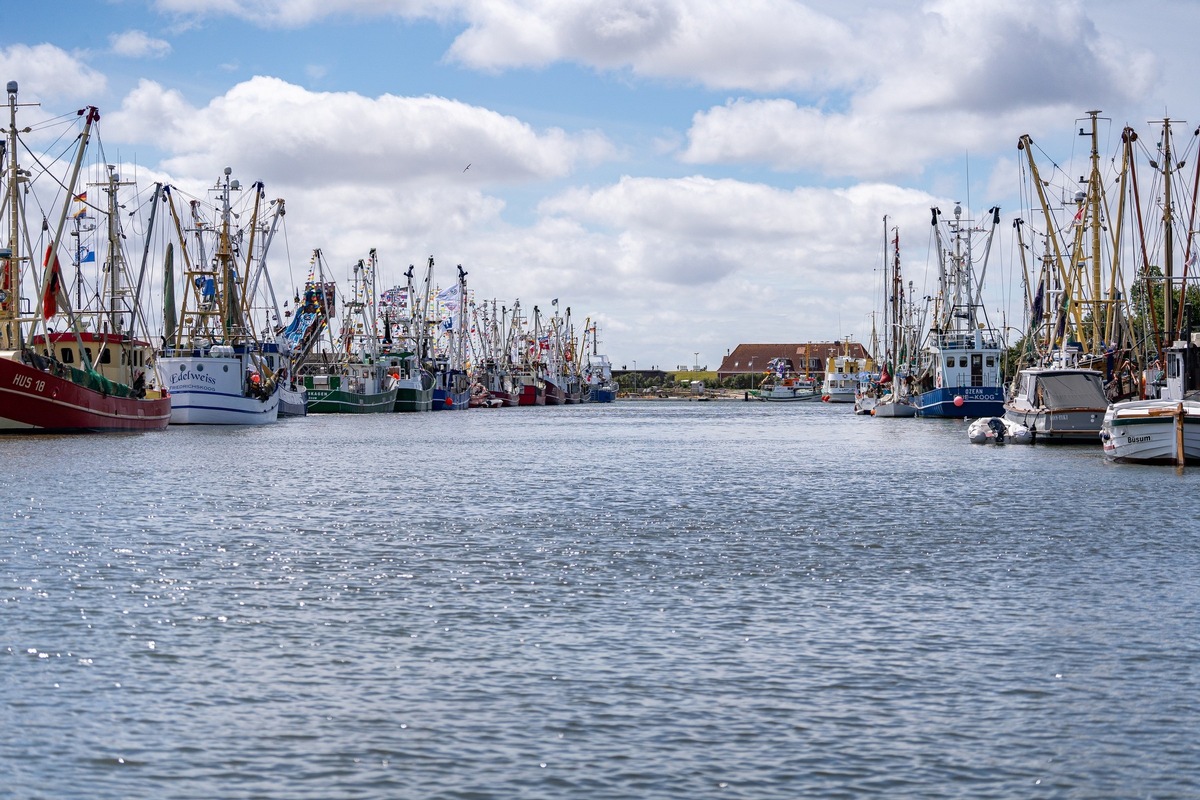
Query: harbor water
x,y
653,599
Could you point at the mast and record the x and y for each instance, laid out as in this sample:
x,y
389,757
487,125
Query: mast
x,y
11,337
1168,216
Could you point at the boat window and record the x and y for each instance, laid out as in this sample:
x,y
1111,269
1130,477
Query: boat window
x,y
88,352
991,362
962,361
67,356
949,361
106,356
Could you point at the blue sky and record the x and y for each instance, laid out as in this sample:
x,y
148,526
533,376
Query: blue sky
x,y
691,174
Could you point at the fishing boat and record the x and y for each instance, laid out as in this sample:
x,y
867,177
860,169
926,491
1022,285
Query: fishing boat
x,y
842,375
451,382
1164,429
528,361
1077,340
598,383
893,398
81,380
1061,401
783,384
1164,425
213,361
308,321
279,350
404,337
959,370
349,377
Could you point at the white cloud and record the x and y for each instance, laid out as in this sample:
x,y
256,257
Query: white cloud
x,y
137,44
758,44
342,137
46,71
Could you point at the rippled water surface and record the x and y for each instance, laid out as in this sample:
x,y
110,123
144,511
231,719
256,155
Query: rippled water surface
x,y
644,600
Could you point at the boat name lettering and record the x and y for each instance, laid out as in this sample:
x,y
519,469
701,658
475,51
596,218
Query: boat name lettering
x,y
26,382
181,377
1136,439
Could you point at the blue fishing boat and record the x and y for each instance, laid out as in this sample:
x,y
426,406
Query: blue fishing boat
x,y
959,375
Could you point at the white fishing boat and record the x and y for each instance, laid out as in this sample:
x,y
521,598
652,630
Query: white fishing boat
x,y
1165,426
783,384
214,362
842,376
1161,430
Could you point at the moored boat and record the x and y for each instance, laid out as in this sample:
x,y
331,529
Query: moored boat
x,y
84,380
783,384
959,374
349,377
214,362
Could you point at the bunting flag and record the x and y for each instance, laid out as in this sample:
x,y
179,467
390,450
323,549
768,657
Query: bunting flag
x,y
449,298
54,298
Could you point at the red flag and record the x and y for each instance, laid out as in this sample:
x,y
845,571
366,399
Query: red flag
x,y
53,299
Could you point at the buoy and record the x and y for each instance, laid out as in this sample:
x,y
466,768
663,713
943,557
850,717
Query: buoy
x,y
254,377
958,401
449,401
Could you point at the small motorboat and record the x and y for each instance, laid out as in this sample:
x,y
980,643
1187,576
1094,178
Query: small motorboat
x,y
998,430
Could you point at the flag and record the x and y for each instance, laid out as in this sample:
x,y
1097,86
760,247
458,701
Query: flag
x,y
81,197
54,298
86,255
1038,300
449,298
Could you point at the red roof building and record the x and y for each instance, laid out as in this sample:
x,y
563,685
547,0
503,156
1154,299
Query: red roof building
x,y
807,358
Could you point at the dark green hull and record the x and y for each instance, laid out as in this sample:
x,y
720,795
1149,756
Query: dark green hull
x,y
335,401
414,399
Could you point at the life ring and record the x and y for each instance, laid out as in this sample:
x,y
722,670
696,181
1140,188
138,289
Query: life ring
x,y
938,380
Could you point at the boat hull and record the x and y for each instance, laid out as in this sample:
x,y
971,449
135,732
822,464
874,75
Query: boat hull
x,y
961,402
531,395
413,398
35,401
446,400
337,401
293,402
890,409
597,394
209,391
1061,425
554,395
507,399
1151,431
